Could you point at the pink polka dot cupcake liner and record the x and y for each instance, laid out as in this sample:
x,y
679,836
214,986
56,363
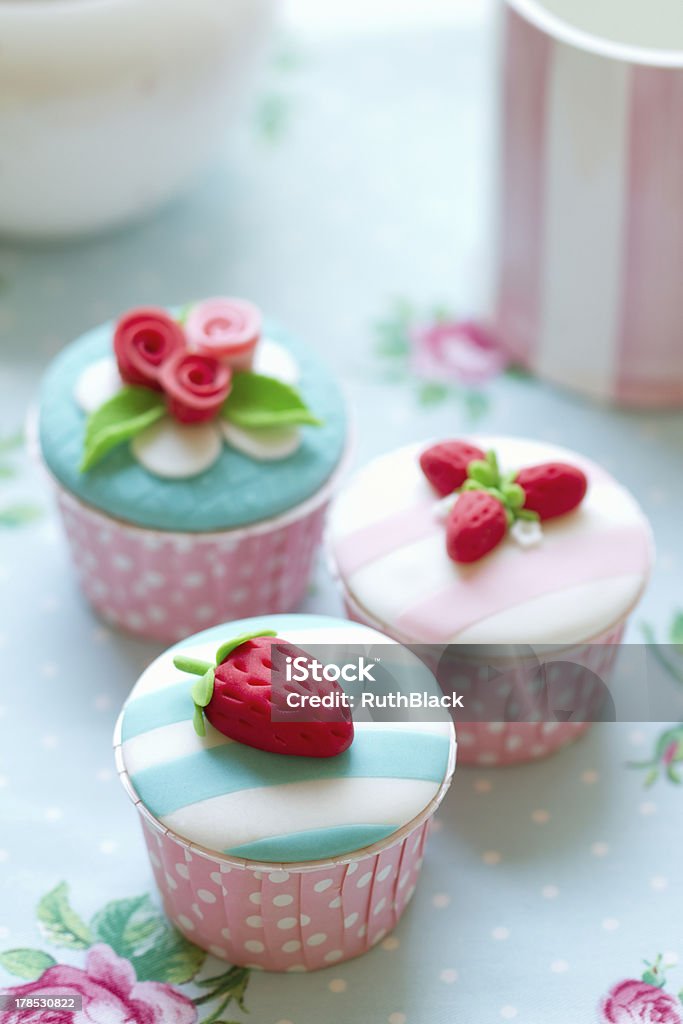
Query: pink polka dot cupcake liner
x,y
287,917
575,676
165,586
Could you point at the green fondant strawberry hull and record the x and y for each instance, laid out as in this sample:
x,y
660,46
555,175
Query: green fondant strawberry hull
x,y
235,491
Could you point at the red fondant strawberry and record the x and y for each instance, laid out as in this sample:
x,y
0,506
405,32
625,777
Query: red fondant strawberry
x,y
476,525
238,698
552,489
445,464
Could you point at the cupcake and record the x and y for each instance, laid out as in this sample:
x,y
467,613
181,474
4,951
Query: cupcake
x,y
194,454
515,561
276,842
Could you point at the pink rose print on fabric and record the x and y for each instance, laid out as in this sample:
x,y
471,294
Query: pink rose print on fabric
x,y
441,357
643,1001
110,991
636,1002
464,352
134,961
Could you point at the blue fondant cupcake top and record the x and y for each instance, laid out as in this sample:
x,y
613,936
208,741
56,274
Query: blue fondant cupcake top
x,y
237,800
235,490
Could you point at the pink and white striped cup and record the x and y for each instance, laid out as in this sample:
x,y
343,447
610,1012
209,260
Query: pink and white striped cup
x,y
590,195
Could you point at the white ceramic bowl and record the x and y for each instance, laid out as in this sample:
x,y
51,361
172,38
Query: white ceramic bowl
x,y
110,107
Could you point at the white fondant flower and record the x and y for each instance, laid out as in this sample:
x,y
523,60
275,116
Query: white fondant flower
x,y
174,450
527,533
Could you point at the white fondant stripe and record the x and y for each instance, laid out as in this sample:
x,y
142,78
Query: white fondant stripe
x,y
172,742
589,601
381,489
162,673
421,569
169,743
228,821
585,194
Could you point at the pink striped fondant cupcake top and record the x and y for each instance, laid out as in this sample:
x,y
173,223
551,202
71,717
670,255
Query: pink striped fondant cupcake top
x,y
582,574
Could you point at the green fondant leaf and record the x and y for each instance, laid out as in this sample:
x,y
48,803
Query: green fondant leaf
x,y
492,460
60,922
26,963
497,494
528,514
198,721
121,418
202,691
229,646
192,665
258,401
514,495
482,473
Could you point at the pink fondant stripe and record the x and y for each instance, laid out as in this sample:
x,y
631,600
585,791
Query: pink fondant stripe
x,y
399,529
527,56
484,589
651,350
378,539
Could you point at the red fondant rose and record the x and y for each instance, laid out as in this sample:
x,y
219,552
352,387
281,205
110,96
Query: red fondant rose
x,y
225,328
110,992
636,1002
144,340
196,386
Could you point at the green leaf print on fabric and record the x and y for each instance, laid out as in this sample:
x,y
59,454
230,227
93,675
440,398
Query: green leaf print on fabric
x,y
127,942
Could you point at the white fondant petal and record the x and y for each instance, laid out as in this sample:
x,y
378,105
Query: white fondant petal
x,y
528,533
267,444
97,384
176,451
273,360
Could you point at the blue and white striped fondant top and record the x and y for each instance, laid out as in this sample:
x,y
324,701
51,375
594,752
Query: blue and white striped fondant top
x,y
272,807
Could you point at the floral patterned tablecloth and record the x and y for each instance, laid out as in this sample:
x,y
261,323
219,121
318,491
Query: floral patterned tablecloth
x,y
353,207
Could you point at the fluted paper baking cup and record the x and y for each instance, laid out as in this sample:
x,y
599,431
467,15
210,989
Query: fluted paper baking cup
x,y
286,917
165,586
